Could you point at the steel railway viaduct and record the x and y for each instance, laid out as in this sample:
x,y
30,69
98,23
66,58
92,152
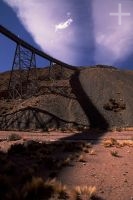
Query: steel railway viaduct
x,y
23,77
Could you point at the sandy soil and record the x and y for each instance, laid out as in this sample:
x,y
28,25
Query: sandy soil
x,y
112,175
95,136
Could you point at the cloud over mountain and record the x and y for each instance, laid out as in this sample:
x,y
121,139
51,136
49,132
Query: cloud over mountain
x,y
78,36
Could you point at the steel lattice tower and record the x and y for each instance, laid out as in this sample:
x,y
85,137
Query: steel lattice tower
x,y
23,78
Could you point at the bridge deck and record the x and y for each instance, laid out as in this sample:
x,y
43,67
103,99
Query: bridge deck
x,y
26,45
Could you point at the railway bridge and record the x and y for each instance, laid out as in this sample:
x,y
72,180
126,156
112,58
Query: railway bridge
x,y
23,77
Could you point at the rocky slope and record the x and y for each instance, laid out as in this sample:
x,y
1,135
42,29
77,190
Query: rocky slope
x,y
99,97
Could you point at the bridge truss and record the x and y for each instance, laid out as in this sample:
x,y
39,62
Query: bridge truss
x,y
23,78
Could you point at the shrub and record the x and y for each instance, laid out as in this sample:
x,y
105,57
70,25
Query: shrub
x,y
14,137
114,105
36,189
114,153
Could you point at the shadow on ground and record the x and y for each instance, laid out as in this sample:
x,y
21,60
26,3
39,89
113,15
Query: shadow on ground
x,y
33,118
95,118
21,166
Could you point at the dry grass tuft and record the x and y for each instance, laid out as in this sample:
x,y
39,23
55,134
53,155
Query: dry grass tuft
x,y
35,189
59,189
110,142
114,153
84,192
128,143
81,158
38,189
92,152
117,143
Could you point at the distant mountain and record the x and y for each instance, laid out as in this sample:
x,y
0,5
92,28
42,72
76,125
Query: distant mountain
x,y
97,97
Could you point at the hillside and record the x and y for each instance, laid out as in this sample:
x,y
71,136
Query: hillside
x,y
98,97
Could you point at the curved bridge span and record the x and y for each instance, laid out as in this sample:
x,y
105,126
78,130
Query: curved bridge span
x,y
23,78
26,45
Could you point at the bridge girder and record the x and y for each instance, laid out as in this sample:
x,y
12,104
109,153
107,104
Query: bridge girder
x,y
23,78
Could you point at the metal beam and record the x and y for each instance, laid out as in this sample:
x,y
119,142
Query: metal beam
x,y
26,45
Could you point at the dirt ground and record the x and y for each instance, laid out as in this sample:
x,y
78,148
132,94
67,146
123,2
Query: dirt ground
x,y
108,167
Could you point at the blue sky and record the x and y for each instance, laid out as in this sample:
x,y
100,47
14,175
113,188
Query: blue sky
x,y
80,34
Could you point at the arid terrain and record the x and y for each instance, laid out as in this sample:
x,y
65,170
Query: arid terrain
x,y
72,139
96,97
84,167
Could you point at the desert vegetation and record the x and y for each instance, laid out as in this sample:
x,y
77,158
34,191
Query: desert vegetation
x,y
114,105
112,142
30,170
14,137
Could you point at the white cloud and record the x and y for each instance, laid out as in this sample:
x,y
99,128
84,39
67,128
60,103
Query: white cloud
x,y
116,43
39,18
109,42
113,42
63,25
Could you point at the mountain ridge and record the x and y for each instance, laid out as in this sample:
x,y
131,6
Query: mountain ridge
x,y
90,97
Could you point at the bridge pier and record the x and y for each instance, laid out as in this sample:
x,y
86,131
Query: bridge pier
x,y
23,77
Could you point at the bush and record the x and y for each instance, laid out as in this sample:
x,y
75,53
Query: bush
x,y
114,105
36,189
14,137
114,153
